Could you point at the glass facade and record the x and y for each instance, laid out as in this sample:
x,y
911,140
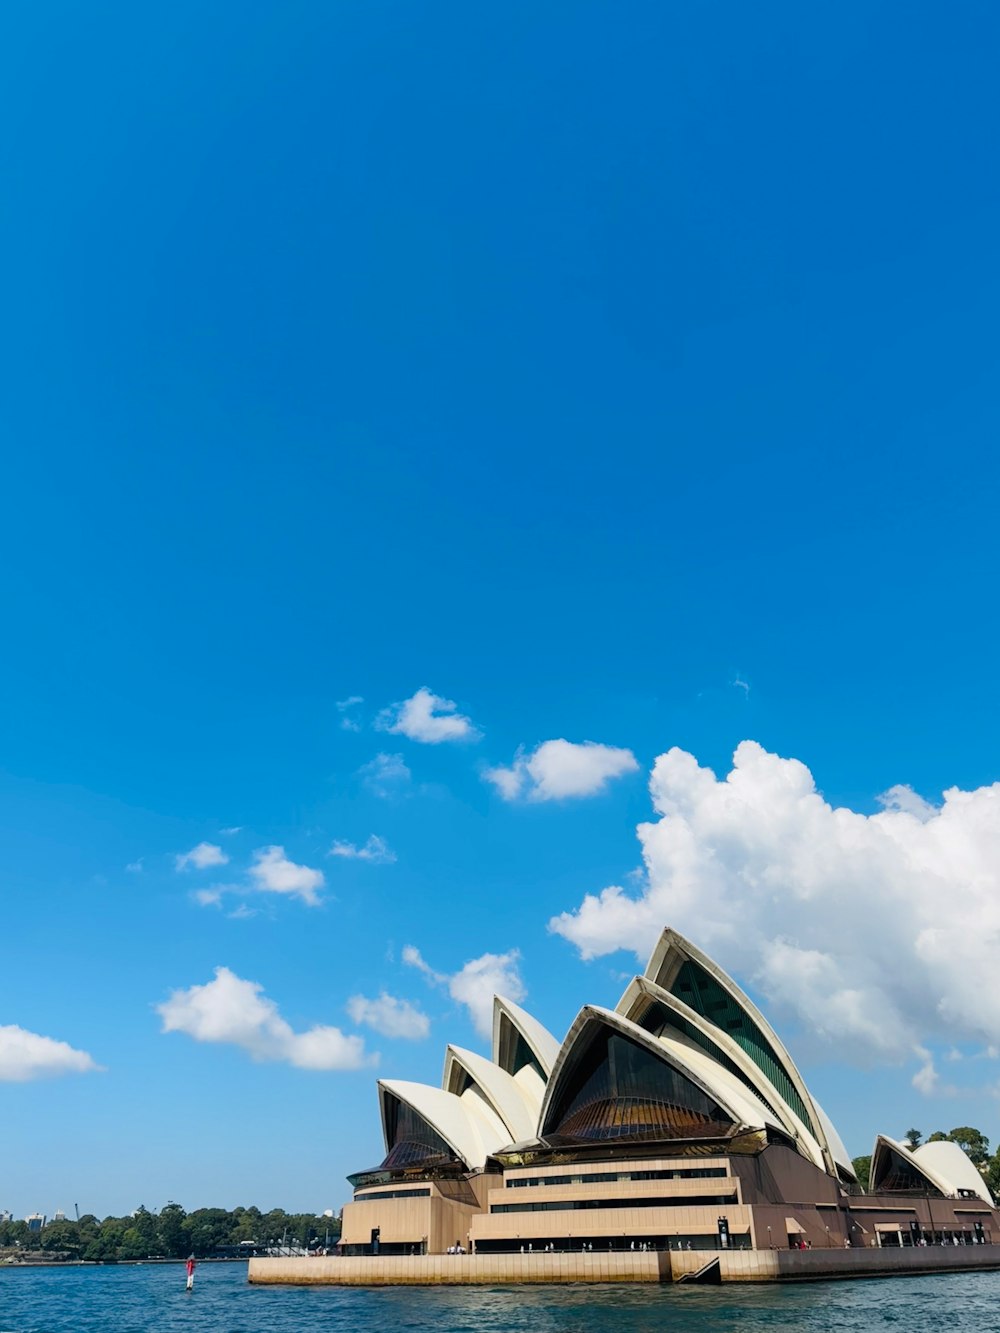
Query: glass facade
x,y
602,1177
895,1173
572,1205
702,993
617,1090
412,1141
515,1053
658,1020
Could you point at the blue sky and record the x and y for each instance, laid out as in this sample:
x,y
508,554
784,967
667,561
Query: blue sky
x,y
615,375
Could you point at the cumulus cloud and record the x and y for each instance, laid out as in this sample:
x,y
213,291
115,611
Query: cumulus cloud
x,y
426,717
386,775
560,769
235,1012
376,850
389,1016
25,1056
273,872
878,932
475,984
201,857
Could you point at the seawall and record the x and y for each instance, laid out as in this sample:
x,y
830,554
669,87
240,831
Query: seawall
x,y
660,1266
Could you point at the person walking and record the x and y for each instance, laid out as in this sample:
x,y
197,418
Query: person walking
x,y
190,1272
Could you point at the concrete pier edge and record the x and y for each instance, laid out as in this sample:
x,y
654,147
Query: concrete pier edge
x,y
651,1267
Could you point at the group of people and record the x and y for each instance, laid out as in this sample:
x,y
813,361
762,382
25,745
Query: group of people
x,y
457,1248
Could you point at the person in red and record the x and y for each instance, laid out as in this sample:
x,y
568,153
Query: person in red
x,y
190,1271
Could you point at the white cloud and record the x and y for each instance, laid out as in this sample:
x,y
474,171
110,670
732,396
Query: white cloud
x,y
235,1012
208,897
559,769
927,1078
426,717
274,873
878,932
231,831
740,684
389,1016
135,867
201,857
386,775
906,801
475,984
376,850
25,1056
412,957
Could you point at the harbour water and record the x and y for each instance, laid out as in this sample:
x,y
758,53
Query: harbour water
x,y
152,1299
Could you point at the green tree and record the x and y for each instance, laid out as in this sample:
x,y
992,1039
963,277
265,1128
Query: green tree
x,y
174,1241
912,1138
62,1238
973,1142
133,1245
862,1169
207,1229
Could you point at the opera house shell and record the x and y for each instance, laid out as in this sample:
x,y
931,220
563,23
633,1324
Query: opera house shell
x,y
677,1120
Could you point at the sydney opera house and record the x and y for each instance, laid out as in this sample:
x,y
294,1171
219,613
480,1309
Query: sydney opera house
x,y
675,1121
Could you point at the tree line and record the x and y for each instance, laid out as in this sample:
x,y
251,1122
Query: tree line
x,y
972,1141
171,1233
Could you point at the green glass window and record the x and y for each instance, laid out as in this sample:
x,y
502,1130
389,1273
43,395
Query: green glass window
x,y
702,993
616,1089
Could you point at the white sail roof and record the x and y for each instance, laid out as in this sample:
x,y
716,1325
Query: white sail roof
x,y
641,992
739,1104
472,1135
515,1110
671,952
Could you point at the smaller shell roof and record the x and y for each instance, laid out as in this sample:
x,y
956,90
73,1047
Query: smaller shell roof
x,y
540,1040
947,1168
471,1137
503,1093
951,1163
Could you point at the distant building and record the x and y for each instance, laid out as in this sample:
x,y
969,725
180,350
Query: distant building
x,y
58,1215
6,1215
35,1221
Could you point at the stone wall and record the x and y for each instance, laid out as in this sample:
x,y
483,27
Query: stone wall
x,y
739,1266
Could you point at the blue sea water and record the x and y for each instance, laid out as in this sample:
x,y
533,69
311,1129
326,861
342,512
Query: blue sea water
x,y
152,1299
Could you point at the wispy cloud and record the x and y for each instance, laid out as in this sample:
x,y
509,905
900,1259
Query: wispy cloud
x,y
376,850
135,867
386,775
475,984
231,1011
426,717
347,708
560,769
26,1056
389,1016
201,857
273,872
738,683
231,831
